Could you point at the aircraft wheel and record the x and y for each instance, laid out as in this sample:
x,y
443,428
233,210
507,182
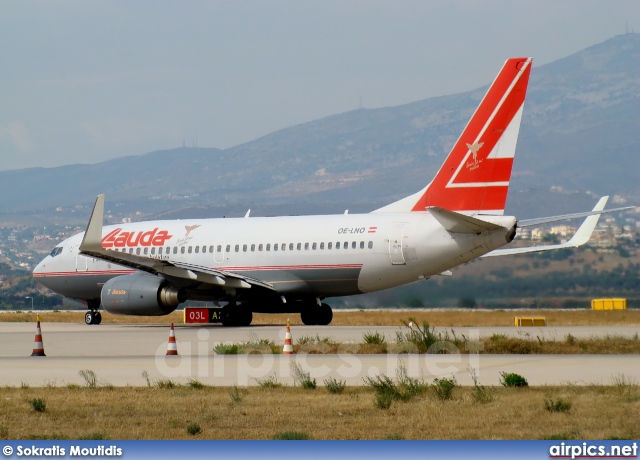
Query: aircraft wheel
x,y
236,316
98,318
89,317
308,317
325,315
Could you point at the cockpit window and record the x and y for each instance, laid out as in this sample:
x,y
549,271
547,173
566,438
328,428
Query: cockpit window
x,y
56,251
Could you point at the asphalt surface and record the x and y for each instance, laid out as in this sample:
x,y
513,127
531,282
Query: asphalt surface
x,y
120,355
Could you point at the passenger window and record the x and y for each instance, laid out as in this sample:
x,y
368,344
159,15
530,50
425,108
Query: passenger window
x,y
361,244
321,245
306,246
175,249
146,251
244,248
338,245
253,247
219,248
237,248
290,246
260,247
353,245
197,249
268,247
299,246
168,250
182,250
138,251
189,249
283,247
329,245
228,248
211,249
153,250
313,246
160,251
370,244
346,245
275,247
130,250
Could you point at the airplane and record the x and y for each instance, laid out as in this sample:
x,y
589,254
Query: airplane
x,y
292,264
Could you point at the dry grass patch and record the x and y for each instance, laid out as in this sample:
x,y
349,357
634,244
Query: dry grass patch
x,y
597,412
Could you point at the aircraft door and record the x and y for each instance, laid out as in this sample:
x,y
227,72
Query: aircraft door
x,y
395,244
219,252
81,263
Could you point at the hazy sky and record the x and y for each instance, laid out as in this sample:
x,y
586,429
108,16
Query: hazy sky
x,y
83,82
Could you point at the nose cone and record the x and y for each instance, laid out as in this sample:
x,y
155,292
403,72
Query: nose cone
x,y
39,269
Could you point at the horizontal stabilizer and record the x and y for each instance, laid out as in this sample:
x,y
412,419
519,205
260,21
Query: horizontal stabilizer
x,y
454,222
547,220
582,235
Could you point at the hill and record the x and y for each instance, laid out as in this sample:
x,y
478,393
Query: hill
x,y
578,139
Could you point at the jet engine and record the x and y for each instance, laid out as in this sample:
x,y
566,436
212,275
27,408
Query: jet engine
x,y
140,294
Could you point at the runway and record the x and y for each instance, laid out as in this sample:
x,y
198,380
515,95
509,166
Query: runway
x,y
119,354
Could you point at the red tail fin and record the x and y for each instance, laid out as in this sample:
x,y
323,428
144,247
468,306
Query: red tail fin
x,y
475,176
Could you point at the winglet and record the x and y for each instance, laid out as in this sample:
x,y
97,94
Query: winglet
x,y
92,240
584,232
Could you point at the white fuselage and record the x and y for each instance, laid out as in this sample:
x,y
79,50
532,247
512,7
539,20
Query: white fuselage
x,y
307,256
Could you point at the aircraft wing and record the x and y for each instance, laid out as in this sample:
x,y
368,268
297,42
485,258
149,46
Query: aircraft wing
x,y
582,235
92,246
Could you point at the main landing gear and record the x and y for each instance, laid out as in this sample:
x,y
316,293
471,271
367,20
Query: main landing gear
x,y
234,315
92,317
317,315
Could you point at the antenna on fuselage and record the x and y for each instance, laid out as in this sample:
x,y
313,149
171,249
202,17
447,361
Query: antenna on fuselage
x,y
346,211
247,214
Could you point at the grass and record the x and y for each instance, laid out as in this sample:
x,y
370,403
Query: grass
x,y
335,386
557,405
153,413
437,318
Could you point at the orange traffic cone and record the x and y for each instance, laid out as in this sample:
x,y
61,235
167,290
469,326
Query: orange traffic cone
x,y
38,347
288,346
172,348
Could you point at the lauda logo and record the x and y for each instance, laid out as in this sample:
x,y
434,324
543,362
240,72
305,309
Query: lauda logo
x,y
119,239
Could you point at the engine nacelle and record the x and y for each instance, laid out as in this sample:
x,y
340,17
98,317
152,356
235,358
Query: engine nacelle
x,y
140,294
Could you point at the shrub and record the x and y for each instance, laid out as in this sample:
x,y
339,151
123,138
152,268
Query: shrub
x,y
394,437
196,385
311,340
559,405
38,404
444,388
373,338
225,349
334,386
291,436
479,394
166,384
269,382
302,377
386,390
513,380
193,429
145,375
89,377
236,394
